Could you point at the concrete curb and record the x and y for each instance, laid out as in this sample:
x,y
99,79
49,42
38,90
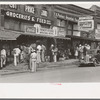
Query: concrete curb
x,y
50,66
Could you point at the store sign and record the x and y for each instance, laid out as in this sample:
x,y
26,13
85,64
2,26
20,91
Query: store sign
x,y
65,17
44,13
30,9
59,15
27,17
30,29
86,18
44,31
13,6
85,25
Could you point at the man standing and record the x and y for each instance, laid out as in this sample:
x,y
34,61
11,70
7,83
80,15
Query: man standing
x,y
3,57
33,59
43,53
39,54
17,52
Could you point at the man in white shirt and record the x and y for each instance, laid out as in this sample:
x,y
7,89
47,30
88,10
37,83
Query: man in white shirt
x,y
39,48
33,59
17,52
3,57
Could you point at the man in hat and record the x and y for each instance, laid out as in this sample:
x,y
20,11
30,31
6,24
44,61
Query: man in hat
x,y
33,59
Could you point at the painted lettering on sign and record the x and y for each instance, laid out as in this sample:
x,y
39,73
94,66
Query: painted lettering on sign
x,y
86,25
13,6
65,17
44,31
27,17
30,29
17,15
44,13
30,9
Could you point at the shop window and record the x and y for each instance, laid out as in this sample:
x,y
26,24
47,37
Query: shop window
x,y
98,26
45,26
75,26
24,24
76,33
61,22
70,26
12,24
58,22
69,32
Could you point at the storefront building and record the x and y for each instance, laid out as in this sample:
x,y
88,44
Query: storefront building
x,y
67,19
31,22
50,24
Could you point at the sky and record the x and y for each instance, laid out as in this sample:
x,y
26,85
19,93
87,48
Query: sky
x,y
87,5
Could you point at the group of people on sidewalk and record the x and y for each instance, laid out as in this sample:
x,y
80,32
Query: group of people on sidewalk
x,y
33,54
81,51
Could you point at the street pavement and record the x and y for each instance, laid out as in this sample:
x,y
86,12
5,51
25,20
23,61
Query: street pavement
x,y
61,72
23,67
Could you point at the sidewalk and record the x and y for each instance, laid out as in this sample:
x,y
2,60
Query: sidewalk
x,y
23,67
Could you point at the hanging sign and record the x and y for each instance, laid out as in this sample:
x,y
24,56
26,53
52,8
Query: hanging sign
x,y
85,25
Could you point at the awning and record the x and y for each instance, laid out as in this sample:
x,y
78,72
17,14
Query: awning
x,y
82,38
64,38
47,36
8,35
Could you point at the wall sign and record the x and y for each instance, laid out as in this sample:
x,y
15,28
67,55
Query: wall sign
x,y
44,31
30,29
44,13
86,18
30,9
26,17
13,6
65,17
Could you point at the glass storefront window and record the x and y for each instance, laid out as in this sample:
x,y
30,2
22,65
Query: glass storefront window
x,y
76,33
61,22
69,32
70,26
12,24
75,26
98,26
